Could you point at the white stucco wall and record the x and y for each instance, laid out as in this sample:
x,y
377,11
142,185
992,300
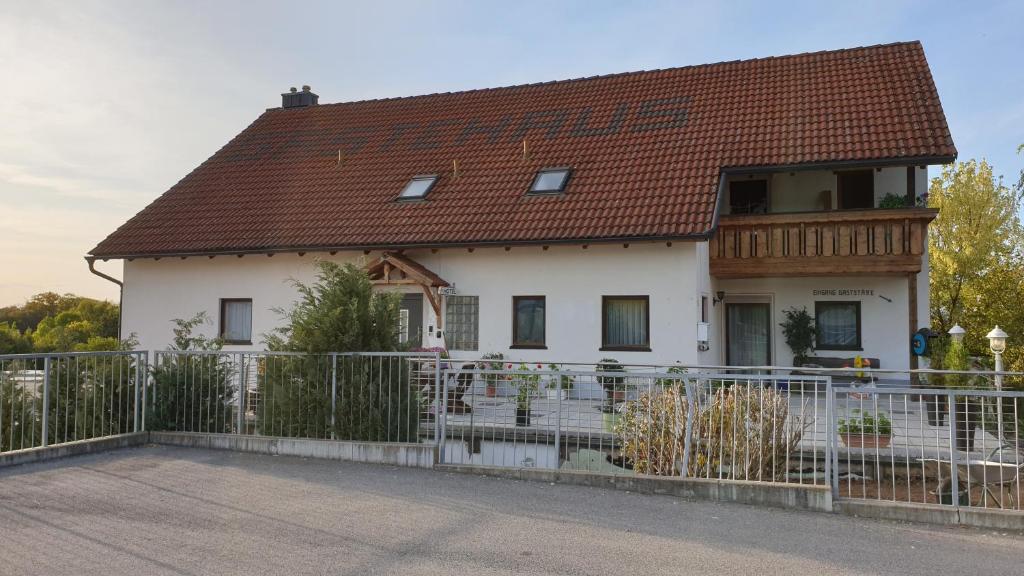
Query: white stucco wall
x,y
885,330
573,280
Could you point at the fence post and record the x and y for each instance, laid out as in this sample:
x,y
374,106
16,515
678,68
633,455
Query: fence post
x,y
144,358
442,413
241,394
135,392
437,399
953,473
831,439
688,438
46,401
334,392
558,420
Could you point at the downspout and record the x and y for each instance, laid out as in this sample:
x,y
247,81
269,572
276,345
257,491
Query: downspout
x,y
120,289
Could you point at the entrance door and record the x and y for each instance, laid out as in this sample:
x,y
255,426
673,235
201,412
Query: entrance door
x,y
410,319
748,334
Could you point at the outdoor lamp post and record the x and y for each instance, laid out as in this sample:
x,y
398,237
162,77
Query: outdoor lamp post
x,y
957,333
997,344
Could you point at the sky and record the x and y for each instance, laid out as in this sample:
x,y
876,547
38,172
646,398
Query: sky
x,y
105,105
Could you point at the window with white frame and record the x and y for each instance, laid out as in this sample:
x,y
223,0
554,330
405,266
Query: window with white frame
x,y
236,320
462,321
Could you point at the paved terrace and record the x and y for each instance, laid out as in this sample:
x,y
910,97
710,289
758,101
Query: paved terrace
x,y
162,510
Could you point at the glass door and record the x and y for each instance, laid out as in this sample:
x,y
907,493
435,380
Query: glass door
x,y
748,334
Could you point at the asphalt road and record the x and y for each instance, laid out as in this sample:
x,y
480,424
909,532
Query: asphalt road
x,y
162,510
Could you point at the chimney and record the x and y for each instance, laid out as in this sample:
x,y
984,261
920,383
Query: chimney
x,y
295,99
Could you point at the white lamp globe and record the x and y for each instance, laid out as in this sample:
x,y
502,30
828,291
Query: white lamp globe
x,y
997,340
957,333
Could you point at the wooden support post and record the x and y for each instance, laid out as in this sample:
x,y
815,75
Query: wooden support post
x,y
912,314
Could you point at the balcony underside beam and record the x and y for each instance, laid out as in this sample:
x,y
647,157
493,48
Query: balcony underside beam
x,y
821,266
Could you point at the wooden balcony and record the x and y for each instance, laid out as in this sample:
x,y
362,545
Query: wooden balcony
x,y
847,242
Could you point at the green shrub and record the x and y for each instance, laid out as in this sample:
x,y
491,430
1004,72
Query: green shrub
x,y
863,423
376,397
192,392
893,201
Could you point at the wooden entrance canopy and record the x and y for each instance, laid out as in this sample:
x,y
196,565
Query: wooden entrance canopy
x,y
382,272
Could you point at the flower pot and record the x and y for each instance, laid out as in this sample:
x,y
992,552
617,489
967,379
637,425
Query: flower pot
x,y
618,395
491,390
556,394
522,416
866,440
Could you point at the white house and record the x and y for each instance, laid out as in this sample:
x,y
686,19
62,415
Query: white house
x,y
655,217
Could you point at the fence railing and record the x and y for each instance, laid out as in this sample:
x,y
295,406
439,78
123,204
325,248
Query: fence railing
x,y
50,399
722,426
368,396
958,447
936,437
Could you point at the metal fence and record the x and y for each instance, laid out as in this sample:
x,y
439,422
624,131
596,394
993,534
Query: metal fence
x,y
706,425
959,447
49,399
368,396
919,437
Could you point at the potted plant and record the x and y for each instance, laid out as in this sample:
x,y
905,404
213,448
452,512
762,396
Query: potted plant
x,y
798,330
863,430
528,386
491,361
891,200
558,384
613,385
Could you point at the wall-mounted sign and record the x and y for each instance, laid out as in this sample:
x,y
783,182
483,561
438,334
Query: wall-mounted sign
x,y
843,292
447,291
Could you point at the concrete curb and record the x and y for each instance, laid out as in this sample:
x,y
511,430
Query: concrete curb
x,y
395,454
791,496
78,448
989,518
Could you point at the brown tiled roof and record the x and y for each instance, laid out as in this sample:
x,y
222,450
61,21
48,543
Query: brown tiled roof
x,y
646,149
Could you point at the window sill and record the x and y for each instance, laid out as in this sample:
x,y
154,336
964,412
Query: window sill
x,y
236,342
624,349
528,347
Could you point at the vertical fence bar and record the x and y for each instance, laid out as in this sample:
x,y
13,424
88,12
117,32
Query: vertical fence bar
x,y
691,398
334,392
241,394
437,403
832,438
953,472
46,402
135,402
558,421
442,415
833,484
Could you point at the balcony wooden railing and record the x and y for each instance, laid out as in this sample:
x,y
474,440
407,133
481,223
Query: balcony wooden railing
x,y
863,242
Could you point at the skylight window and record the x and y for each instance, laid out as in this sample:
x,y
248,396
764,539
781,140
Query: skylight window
x,y
418,187
550,181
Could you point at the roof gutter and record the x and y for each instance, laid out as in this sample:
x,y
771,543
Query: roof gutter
x,y
120,289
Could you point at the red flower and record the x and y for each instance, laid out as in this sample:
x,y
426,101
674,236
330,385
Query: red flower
x,y
509,366
539,366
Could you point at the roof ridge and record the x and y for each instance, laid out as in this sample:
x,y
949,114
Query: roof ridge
x,y
607,76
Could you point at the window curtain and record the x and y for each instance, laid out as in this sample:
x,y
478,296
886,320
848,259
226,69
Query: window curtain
x,y
530,321
837,325
626,323
238,321
748,327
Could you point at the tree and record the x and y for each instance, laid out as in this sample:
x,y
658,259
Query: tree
x,y
72,329
374,398
13,341
976,256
